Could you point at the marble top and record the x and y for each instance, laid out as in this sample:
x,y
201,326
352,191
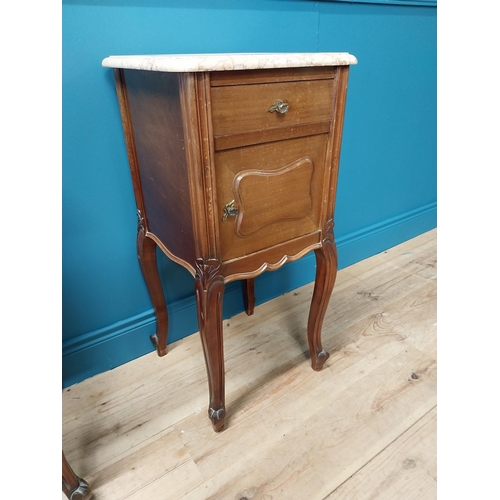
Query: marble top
x,y
229,62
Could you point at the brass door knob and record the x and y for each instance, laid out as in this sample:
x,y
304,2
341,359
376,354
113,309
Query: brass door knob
x,y
229,210
279,106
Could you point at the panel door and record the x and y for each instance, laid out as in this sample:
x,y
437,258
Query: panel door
x,y
273,192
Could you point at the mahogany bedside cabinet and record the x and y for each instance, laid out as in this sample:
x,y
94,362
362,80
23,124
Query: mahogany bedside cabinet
x,y
234,161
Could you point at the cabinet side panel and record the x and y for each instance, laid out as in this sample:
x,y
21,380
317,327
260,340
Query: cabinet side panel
x,y
336,136
159,142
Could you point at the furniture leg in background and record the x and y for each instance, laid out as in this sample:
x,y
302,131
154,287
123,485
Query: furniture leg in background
x,y
74,487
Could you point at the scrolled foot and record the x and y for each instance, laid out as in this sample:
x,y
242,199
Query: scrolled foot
x,y
82,492
161,352
318,361
217,418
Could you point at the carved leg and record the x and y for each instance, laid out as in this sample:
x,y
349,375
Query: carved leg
x,y
73,486
146,253
249,295
326,272
209,289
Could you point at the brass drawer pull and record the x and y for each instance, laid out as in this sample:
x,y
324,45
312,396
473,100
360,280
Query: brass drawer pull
x,y
279,106
229,209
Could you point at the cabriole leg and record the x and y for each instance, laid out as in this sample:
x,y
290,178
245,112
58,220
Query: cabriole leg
x,y
326,272
146,253
209,289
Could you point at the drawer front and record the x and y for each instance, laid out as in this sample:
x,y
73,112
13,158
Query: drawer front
x,y
244,109
273,193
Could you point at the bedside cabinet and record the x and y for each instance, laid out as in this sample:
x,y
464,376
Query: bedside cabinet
x,y
234,161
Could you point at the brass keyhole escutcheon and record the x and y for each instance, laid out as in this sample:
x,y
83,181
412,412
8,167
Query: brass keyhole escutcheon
x,y
279,106
229,210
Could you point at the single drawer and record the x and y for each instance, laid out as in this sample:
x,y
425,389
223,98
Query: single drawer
x,y
247,109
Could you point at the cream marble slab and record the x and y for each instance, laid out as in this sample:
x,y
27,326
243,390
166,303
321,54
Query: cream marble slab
x,y
228,62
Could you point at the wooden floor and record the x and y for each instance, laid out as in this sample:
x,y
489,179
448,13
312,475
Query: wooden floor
x,y
363,428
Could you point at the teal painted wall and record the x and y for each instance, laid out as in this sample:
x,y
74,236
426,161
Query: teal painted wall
x,y
387,183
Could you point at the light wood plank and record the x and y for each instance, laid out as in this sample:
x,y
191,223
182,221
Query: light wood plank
x,y
318,441
405,469
130,406
144,471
